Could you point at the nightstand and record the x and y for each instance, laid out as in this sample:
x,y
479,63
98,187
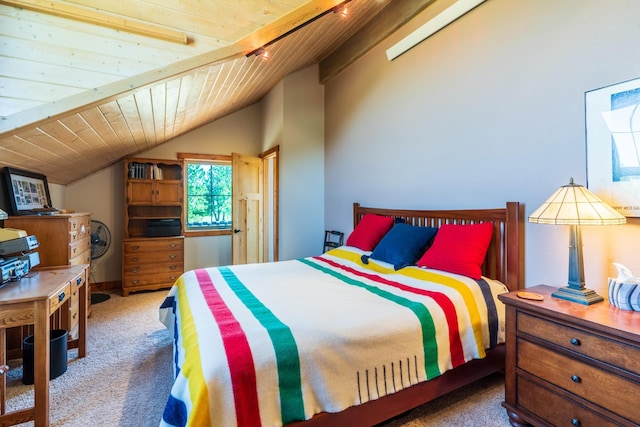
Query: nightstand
x,y
570,364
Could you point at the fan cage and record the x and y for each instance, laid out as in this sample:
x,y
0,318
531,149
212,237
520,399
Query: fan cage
x,y
100,239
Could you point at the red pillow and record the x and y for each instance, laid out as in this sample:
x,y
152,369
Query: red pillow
x,y
459,248
369,231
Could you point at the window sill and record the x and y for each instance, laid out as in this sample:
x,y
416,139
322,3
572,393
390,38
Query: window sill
x,y
200,233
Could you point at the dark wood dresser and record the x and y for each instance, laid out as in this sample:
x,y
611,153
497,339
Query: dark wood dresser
x,y
571,364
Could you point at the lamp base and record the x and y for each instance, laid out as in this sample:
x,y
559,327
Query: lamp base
x,y
581,296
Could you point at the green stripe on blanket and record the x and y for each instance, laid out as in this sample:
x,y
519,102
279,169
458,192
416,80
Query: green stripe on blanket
x,y
285,347
429,343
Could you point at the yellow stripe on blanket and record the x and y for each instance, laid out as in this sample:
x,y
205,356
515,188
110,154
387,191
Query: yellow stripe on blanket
x,y
430,276
192,368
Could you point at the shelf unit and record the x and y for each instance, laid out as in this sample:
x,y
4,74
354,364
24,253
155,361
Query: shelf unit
x,y
154,190
154,195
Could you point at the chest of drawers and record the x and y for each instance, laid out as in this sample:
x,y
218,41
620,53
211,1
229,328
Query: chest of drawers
x,y
571,364
65,239
150,264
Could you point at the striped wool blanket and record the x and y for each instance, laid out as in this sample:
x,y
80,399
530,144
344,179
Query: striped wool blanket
x,y
268,344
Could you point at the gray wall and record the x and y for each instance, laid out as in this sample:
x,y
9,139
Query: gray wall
x,y
490,109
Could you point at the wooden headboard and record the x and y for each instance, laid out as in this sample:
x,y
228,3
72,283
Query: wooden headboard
x,y
505,256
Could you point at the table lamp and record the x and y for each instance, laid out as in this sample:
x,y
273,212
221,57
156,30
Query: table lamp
x,y
574,205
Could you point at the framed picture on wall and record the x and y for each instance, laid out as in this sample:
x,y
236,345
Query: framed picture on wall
x,y
28,192
612,119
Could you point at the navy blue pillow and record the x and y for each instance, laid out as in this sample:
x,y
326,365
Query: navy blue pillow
x,y
403,245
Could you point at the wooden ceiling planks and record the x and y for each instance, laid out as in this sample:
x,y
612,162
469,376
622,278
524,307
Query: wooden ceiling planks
x,y
105,131
172,88
24,155
132,136
225,20
137,119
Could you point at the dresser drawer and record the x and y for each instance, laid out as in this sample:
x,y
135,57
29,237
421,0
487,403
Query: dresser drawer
x,y
153,258
79,227
153,245
133,281
153,268
76,248
74,318
75,295
609,351
59,299
555,409
611,391
83,258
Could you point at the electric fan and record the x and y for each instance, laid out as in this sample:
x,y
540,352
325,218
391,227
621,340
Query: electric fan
x,y
100,242
100,239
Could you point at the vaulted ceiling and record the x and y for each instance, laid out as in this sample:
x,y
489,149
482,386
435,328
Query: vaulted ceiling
x,y
85,83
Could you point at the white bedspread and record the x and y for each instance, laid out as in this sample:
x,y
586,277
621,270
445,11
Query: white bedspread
x,y
268,344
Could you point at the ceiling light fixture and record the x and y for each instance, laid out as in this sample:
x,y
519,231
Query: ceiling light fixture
x,y
341,9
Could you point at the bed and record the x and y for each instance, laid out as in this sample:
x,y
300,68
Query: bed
x,y
352,337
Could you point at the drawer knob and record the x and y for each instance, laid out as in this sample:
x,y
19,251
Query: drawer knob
x,y
575,378
78,280
135,270
172,256
575,341
135,247
173,245
61,297
575,422
135,259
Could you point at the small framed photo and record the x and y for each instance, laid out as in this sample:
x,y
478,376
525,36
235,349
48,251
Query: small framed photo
x,y
28,192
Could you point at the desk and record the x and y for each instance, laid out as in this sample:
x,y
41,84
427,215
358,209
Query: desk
x,y
31,301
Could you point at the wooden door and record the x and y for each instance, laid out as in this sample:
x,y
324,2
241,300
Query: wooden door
x,y
247,205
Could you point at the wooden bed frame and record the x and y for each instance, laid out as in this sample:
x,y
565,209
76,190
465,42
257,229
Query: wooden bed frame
x,y
504,262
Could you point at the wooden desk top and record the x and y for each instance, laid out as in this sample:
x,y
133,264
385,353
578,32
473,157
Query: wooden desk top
x,y
41,284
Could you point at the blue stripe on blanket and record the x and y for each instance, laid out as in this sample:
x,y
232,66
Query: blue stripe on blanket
x,y
492,312
170,303
175,412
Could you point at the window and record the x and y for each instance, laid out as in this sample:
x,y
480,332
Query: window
x,y
208,195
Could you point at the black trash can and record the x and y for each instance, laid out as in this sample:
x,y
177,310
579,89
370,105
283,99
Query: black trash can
x,y
57,355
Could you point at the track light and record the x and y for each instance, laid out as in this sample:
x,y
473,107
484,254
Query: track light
x,y
341,9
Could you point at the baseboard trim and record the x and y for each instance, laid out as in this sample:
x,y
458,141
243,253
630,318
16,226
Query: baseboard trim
x,y
115,285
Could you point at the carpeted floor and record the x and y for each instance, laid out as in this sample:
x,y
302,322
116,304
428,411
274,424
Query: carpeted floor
x,y
125,378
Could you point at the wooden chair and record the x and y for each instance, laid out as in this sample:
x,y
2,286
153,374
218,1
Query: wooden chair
x,y
332,239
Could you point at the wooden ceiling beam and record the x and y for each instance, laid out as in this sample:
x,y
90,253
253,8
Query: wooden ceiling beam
x,y
98,17
392,17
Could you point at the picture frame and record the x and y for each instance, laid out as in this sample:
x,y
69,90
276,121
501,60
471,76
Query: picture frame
x,y
612,121
27,192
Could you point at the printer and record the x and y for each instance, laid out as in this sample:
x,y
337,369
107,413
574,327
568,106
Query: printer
x,y
17,254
